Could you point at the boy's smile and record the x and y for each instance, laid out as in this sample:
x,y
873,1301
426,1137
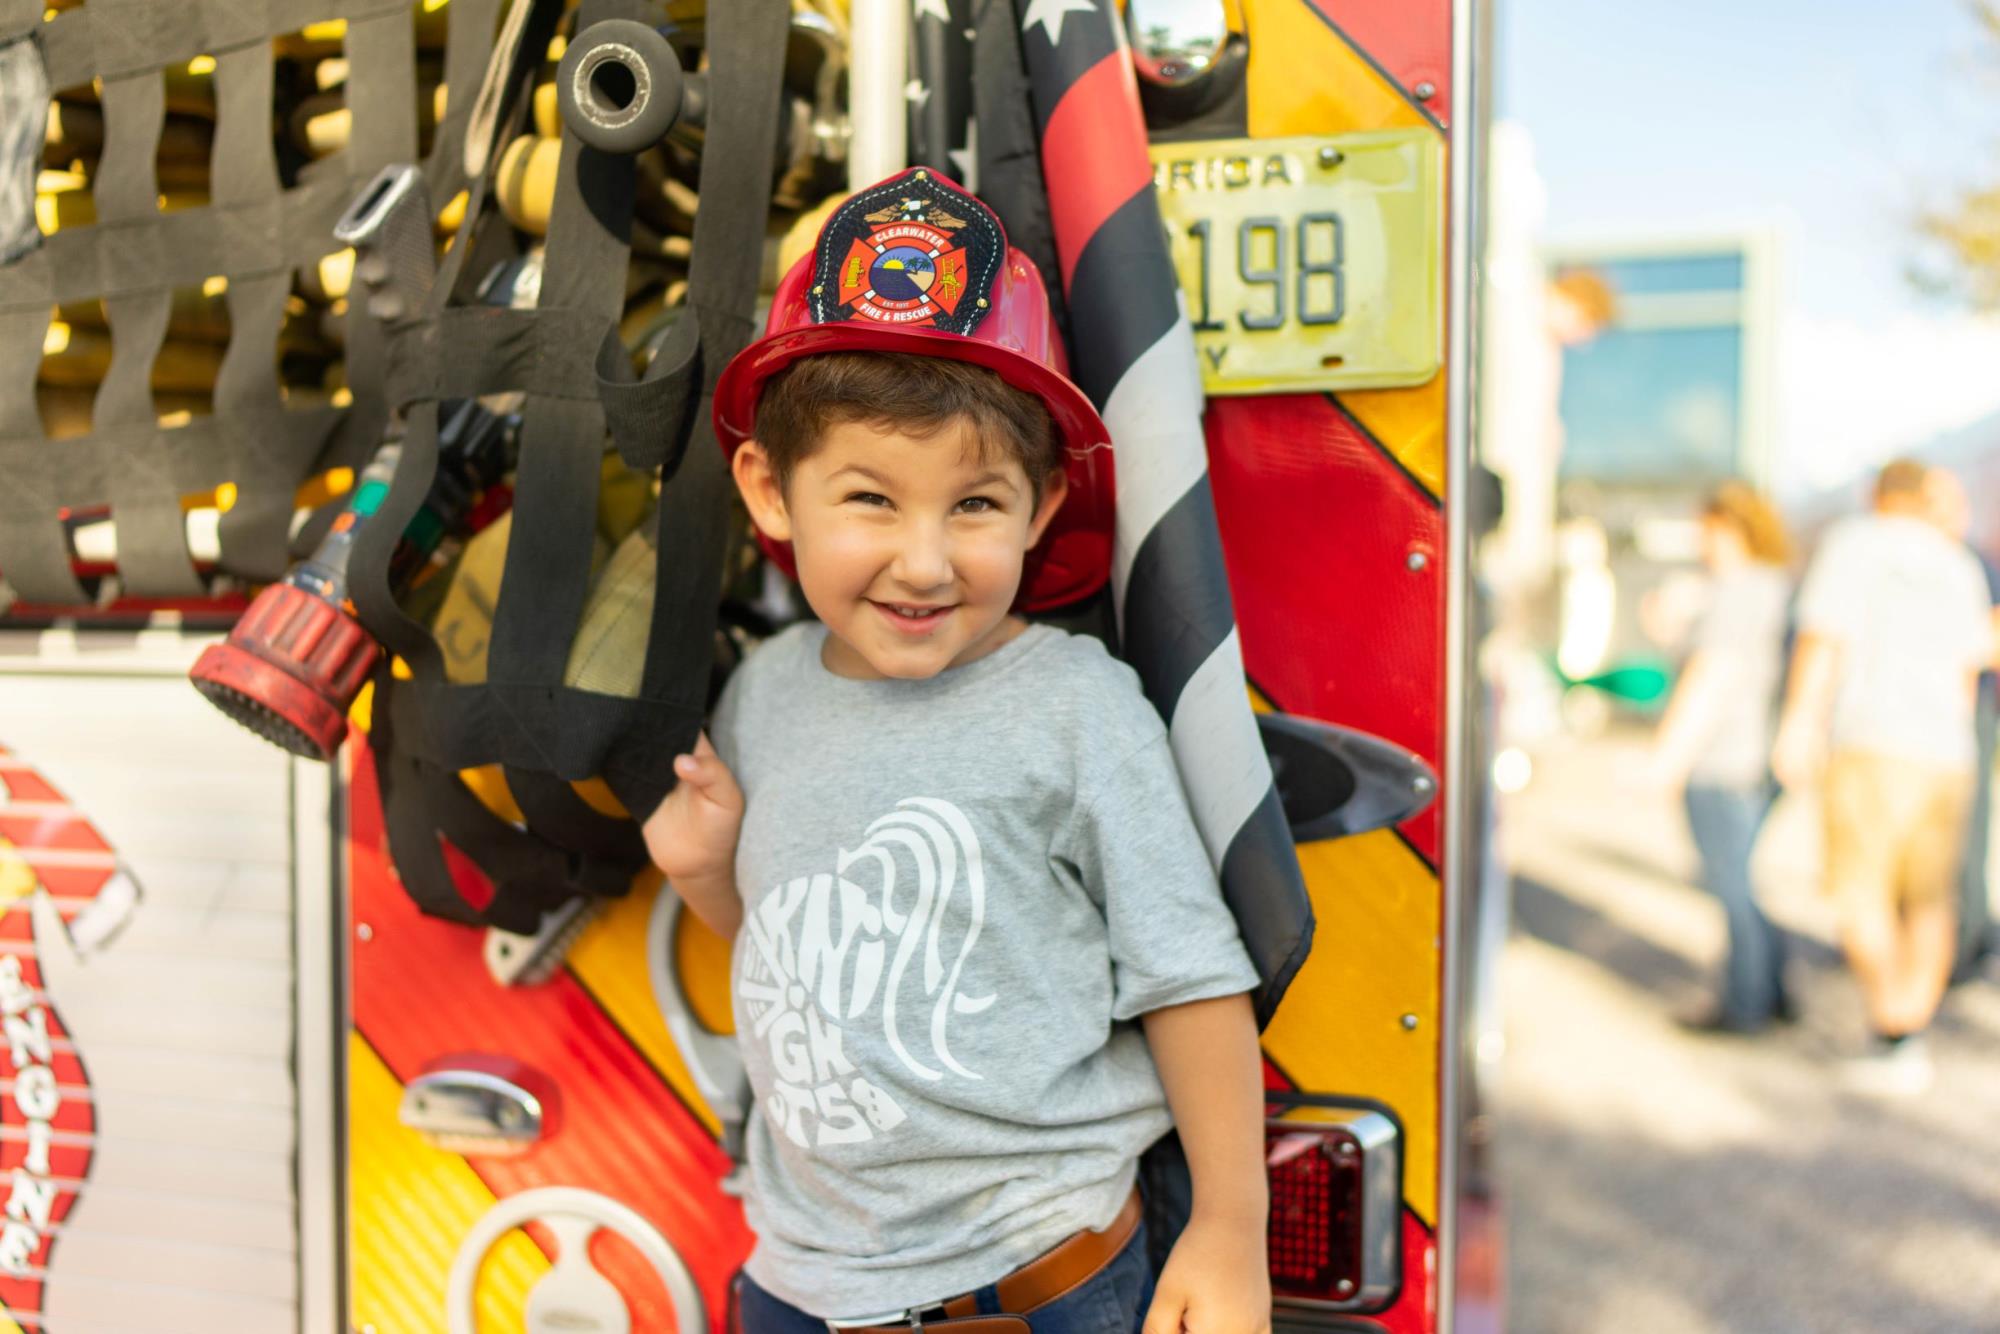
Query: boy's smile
x,y
909,548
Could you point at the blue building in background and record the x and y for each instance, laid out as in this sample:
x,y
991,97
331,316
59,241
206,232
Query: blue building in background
x,y
1675,391
1664,391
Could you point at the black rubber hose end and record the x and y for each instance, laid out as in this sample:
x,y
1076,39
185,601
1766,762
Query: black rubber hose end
x,y
619,86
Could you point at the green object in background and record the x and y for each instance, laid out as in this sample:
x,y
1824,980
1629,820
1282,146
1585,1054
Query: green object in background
x,y
1641,681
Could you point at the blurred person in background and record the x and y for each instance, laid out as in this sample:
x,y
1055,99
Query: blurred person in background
x,y
1952,513
1714,742
1893,630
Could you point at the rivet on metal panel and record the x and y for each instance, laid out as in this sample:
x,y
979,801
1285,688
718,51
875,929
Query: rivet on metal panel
x,y
364,932
1416,560
1410,1023
1425,91
1422,784
1330,157
1345,1287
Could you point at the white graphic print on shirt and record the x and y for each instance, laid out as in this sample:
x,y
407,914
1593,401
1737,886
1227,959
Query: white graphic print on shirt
x,y
818,948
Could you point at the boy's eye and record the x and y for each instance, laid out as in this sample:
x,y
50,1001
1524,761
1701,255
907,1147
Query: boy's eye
x,y
978,504
868,498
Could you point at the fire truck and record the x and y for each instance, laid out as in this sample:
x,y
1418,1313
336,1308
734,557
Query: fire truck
x,y
339,340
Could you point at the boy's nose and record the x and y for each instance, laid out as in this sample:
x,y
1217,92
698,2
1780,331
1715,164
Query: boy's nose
x,y
923,558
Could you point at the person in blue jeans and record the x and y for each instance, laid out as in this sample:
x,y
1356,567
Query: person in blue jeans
x,y
1714,742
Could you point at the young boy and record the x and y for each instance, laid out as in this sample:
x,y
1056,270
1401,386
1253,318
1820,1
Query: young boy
x,y
951,847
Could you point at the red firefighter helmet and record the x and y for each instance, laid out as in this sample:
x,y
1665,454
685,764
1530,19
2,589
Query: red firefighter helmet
x,y
915,264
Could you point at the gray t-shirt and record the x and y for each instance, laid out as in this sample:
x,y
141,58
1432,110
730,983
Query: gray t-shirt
x,y
1742,635
958,895
1910,611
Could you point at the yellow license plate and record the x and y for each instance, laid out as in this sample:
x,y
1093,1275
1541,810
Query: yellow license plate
x,y
1311,263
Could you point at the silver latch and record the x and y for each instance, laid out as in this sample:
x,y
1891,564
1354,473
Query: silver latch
x,y
476,1111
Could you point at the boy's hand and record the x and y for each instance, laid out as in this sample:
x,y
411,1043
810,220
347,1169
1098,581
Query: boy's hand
x,y
692,835
1216,1280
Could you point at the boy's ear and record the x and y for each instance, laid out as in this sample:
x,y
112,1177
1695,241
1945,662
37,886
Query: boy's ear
x,y
762,496
1054,489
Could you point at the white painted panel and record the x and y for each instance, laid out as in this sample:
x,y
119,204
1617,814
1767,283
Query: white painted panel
x,y
229,1078
163,1262
229,1224
195,935
184,1019
170,1124
93,1305
230,1172
249,989
172,1031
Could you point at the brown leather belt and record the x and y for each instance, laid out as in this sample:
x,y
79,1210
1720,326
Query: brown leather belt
x,y
1053,1274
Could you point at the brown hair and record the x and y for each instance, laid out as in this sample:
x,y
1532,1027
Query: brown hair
x,y
915,394
1590,292
1901,478
1754,518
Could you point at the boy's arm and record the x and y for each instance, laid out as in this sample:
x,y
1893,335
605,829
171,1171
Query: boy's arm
x,y
1217,1280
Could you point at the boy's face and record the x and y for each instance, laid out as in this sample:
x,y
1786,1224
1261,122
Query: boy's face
x,y
909,549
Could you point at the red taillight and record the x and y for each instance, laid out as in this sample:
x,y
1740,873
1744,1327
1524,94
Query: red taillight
x,y
1315,1213
1335,1174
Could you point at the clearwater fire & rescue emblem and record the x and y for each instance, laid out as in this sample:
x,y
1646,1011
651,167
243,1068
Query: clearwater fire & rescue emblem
x,y
914,251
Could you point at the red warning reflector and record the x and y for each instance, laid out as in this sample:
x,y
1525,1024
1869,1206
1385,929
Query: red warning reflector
x,y
1335,1176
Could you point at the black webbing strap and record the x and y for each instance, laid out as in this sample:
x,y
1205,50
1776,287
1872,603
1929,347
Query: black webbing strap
x,y
151,544
523,716
1010,156
744,80
579,386
264,457
548,353
547,574
648,417
552,805
422,804
250,232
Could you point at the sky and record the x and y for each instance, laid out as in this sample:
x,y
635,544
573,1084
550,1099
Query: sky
x,y
1832,123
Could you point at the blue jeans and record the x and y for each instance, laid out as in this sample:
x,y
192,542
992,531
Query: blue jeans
x,y
1724,822
1114,1301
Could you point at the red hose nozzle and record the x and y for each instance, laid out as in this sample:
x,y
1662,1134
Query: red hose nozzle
x,y
289,670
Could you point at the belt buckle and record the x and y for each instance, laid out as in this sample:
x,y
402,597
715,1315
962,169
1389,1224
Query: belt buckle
x,y
912,1317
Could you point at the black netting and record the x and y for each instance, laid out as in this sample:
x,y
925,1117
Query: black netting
x,y
167,112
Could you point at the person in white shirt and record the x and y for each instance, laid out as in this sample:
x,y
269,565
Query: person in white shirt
x,y
1893,624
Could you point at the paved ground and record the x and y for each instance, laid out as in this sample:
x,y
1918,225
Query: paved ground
x,y
1661,1183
